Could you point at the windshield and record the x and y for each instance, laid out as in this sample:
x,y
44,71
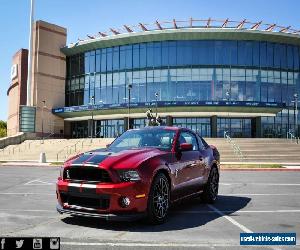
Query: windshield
x,y
156,138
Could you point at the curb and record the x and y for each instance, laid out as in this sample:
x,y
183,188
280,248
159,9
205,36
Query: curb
x,y
16,164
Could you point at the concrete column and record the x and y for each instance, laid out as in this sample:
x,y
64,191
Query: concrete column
x,y
169,120
213,126
126,123
258,127
256,131
67,129
90,127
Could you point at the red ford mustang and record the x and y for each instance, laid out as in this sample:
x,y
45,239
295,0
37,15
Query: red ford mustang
x,y
139,175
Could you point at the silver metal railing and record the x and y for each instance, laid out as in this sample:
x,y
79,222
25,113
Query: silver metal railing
x,y
69,149
236,149
291,137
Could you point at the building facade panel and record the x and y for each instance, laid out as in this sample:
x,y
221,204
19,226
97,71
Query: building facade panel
x,y
48,76
17,90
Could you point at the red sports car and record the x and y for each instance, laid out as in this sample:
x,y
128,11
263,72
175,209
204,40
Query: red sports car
x,y
139,175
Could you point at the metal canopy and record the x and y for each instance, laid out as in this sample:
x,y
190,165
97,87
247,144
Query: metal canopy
x,y
120,113
190,29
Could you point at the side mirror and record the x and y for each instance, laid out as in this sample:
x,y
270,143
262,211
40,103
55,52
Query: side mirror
x,y
186,147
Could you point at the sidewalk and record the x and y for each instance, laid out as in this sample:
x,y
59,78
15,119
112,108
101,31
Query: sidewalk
x,y
27,164
257,166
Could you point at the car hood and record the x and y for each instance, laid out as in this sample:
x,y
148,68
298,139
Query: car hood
x,y
130,158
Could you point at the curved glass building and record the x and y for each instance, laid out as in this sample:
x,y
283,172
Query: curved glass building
x,y
210,76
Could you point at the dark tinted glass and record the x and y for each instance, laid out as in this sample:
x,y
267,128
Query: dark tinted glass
x,y
155,138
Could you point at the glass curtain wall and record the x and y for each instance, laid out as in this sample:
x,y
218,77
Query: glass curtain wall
x,y
205,70
189,70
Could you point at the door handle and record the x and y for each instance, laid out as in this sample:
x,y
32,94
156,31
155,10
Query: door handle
x,y
201,158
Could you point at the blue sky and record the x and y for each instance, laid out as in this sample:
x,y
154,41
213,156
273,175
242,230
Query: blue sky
x,y
82,17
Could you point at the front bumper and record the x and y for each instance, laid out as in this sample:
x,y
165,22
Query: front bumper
x,y
108,217
102,200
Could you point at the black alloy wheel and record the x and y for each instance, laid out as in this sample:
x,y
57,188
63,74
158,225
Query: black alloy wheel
x,y
159,200
210,192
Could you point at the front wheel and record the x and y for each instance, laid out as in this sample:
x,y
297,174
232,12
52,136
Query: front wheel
x,y
158,200
210,191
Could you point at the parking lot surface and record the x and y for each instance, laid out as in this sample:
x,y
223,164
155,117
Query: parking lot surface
x,y
248,202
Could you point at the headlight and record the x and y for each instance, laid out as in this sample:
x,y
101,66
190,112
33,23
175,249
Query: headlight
x,y
129,175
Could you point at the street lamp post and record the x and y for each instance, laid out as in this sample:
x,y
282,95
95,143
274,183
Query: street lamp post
x,y
156,97
228,99
30,54
44,105
92,125
129,97
295,101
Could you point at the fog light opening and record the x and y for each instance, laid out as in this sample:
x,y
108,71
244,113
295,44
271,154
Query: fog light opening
x,y
124,202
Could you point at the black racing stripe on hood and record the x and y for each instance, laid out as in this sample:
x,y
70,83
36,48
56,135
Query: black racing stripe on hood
x,y
96,159
81,159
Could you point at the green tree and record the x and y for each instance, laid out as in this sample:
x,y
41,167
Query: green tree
x,y
3,128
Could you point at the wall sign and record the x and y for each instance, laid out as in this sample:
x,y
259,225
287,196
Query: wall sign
x,y
167,104
14,71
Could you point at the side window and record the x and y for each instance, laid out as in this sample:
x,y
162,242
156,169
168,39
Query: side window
x,y
200,142
204,143
186,137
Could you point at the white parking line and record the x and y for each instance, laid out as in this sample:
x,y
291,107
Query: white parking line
x,y
234,222
27,210
239,194
38,182
260,184
149,244
176,212
287,194
28,194
236,211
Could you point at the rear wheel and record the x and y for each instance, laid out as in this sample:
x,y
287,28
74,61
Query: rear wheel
x,y
210,192
158,200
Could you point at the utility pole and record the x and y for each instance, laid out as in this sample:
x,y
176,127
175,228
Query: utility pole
x,y
156,97
28,98
228,100
92,125
296,116
44,105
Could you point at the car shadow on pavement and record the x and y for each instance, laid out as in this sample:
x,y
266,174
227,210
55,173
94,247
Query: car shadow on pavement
x,y
188,213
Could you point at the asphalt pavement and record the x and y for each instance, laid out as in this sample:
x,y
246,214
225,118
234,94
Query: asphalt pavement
x,y
248,202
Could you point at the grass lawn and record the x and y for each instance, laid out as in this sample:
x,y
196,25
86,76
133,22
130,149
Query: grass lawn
x,y
56,163
251,166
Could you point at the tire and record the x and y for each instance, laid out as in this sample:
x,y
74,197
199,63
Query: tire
x,y
158,200
210,191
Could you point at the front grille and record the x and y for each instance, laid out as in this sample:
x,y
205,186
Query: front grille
x,y
86,173
88,202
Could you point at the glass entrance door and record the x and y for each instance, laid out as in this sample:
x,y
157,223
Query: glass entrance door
x,y
201,125
79,129
235,127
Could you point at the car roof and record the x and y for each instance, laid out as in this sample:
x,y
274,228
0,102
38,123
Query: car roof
x,y
174,128
159,127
